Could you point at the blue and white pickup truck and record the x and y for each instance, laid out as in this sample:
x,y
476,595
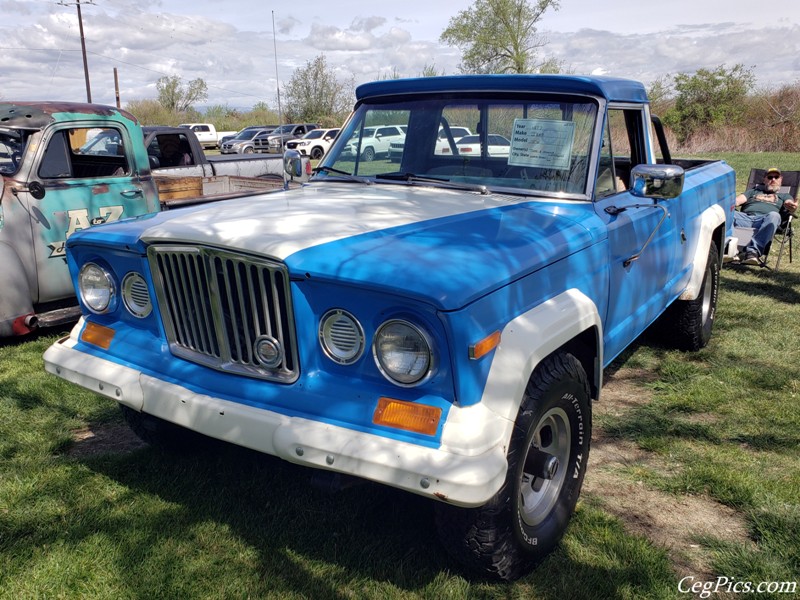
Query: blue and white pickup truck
x,y
438,324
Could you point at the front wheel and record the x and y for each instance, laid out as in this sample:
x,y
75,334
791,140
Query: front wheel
x,y
160,433
369,154
547,458
316,153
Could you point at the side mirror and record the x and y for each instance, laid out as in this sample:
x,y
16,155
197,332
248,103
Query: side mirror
x,y
657,181
36,189
292,166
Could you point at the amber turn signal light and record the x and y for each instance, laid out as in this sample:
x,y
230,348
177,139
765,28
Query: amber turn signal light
x,y
407,415
97,335
486,345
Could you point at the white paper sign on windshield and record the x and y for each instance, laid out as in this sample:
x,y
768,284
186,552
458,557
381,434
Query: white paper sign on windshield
x,y
544,143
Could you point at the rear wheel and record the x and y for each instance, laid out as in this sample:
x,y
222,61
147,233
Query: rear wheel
x,y
547,459
687,324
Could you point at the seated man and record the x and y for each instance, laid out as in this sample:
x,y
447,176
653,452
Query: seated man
x,y
763,208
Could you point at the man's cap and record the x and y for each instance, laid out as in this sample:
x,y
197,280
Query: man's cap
x,y
771,170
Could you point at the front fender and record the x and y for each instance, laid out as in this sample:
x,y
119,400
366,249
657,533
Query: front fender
x,y
16,298
529,339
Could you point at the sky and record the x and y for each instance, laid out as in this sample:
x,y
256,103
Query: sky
x,y
246,49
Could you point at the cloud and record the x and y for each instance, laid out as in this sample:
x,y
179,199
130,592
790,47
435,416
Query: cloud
x,y
367,24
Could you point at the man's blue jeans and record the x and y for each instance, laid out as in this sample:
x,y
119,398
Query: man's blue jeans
x,y
765,226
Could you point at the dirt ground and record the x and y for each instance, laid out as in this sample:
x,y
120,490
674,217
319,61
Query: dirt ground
x,y
674,522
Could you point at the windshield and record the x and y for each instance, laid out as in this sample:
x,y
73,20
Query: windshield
x,y
284,129
531,146
12,145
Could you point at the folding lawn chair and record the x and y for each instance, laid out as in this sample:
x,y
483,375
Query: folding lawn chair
x,y
785,233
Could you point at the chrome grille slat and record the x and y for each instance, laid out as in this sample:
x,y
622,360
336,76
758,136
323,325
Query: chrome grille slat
x,y
216,304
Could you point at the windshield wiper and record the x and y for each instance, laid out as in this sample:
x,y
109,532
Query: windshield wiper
x,y
412,178
348,176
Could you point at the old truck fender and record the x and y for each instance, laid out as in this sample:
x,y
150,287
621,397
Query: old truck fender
x,y
15,294
710,220
531,337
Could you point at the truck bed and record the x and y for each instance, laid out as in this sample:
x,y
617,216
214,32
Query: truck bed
x,y
183,191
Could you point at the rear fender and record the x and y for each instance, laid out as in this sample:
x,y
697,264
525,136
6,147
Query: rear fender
x,y
710,220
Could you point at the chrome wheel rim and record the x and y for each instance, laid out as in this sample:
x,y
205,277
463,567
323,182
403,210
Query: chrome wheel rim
x,y
551,441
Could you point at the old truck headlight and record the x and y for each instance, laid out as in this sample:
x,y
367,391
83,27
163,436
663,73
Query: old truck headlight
x,y
403,352
341,336
96,287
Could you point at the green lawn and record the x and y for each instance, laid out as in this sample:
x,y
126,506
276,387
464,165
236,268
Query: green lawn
x,y
222,522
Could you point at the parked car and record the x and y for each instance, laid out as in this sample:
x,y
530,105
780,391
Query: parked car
x,y
207,134
276,140
471,145
244,141
442,143
246,133
315,143
374,142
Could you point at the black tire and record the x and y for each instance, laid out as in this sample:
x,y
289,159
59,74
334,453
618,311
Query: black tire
x,y
249,150
160,433
687,324
317,152
524,521
369,154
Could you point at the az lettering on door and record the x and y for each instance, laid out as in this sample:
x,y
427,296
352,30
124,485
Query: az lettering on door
x,y
79,219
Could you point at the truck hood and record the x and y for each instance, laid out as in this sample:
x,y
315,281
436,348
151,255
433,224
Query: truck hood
x,y
445,247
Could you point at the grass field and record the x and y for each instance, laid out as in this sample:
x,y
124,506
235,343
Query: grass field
x,y
85,514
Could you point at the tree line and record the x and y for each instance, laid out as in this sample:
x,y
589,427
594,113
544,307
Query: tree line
x,y
709,110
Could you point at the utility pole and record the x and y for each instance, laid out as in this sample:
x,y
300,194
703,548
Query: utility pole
x,y
277,82
83,45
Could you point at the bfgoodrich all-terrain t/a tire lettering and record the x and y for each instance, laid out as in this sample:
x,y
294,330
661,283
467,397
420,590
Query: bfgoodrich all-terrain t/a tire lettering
x,y
687,324
547,458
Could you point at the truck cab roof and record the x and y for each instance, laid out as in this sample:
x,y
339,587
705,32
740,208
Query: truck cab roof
x,y
610,88
37,114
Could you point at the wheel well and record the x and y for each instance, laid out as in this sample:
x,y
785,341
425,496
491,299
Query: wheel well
x,y
584,347
718,237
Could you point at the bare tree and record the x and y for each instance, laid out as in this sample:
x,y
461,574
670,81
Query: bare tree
x,y
500,36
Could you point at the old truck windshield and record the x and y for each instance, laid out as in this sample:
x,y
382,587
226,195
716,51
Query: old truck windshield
x,y
524,146
12,144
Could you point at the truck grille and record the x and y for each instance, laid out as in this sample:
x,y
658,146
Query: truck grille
x,y
219,308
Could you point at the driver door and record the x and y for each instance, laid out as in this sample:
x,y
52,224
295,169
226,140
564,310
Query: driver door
x,y
643,234
85,180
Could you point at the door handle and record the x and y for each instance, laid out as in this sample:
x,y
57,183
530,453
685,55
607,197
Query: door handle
x,y
131,193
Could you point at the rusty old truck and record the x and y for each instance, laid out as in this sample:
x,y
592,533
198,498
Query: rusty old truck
x,y
67,166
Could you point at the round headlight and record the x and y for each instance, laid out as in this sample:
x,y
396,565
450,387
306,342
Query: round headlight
x,y
402,352
136,296
96,287
341,337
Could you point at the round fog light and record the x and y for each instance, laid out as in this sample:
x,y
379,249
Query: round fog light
x,y
341,337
